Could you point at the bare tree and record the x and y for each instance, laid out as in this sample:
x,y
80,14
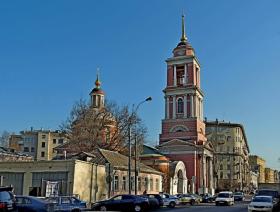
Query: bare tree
x,y
89,128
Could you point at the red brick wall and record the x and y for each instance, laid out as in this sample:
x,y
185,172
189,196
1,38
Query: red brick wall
x,y
190,73
170,80
170,107
188,106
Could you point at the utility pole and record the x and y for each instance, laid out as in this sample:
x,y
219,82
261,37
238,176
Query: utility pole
x,y
135,164
130,124
136,144
217,159
129,157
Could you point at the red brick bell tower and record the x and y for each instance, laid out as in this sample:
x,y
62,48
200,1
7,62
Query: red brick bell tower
x,y
183,130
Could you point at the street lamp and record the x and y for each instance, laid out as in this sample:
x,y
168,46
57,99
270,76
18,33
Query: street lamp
x,y
133,114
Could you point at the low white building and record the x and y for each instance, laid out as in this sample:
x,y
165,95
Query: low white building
x,y
254,180
90,176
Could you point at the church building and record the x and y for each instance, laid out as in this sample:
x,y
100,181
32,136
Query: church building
x,y
183,136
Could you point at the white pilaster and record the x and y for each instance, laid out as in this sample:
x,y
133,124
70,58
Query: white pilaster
x,y
174,108
201,109
211,182
204,171
175,75
185,106
195,105
191,98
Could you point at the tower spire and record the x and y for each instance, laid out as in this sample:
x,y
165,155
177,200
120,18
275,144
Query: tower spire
x,y
97,81
183,37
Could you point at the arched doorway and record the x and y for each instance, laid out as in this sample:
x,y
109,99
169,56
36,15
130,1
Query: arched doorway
x,y
180,184
178,178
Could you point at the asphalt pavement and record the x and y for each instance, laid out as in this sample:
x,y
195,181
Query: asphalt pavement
x,y
208,207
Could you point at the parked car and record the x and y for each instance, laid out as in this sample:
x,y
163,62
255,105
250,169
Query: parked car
x,y
224,198
198,198
262,203
32,204
188,199
169,200
157,196
239,196
270,192
206,198
66,203
7,199
153,202
122,203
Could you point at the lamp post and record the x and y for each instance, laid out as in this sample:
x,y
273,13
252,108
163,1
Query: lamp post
x,y
134,112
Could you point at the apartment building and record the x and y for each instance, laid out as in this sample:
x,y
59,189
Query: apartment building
x,y
231,155
39,144
257,164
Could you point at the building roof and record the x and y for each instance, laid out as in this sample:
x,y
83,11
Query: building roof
x,y
228,124
11,153
150,151
119,161
97,91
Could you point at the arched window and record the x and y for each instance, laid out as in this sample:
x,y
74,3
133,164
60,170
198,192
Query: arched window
x,y
179,128
180,106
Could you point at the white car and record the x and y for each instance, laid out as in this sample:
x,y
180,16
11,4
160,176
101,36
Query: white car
x,y
261,203
169,200
225,198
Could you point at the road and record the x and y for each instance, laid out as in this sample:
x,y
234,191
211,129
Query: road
x,y
237,207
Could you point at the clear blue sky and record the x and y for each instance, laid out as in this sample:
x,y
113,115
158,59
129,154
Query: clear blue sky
x,y
49,52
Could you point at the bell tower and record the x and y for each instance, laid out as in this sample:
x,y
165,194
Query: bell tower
x,y
182,135
183,95
97,95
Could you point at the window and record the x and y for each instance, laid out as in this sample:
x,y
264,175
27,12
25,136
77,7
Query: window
x,y
43,144
42,154
26,149
32,149
116,183
146,183
182,80
157,184
228,167
74,200
60,141
119,197
180,75
139,184
43,136
65,200
180,106
151,184
54,141
221,175
21,200
132,185
124,183
221,167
